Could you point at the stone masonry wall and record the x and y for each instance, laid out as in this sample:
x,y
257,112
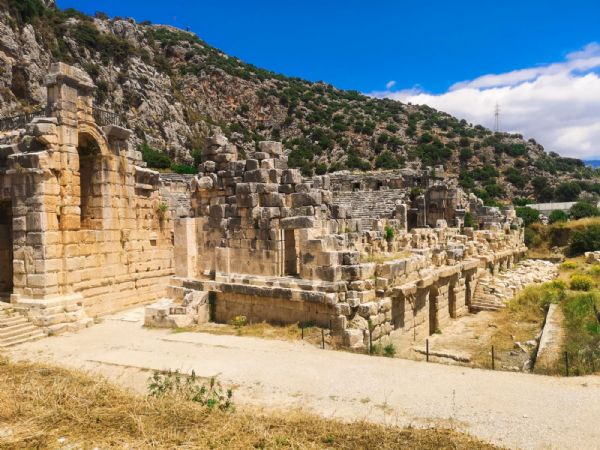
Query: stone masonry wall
x,y
90,226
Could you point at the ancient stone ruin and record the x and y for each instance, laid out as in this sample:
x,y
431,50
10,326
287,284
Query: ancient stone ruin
x,y
87,229
266,244
82,226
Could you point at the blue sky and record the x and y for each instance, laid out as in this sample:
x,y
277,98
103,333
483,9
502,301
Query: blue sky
x,y
419,49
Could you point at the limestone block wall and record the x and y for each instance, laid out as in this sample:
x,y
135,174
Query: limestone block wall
x,y
271,309
274,247
88,221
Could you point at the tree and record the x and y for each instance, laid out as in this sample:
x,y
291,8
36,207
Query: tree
x,y
568,191
529,215
469,220
386,161
558,216
465,154
586,240
543,191
584,209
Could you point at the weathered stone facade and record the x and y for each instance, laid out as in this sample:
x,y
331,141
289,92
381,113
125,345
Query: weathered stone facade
x,y
271,246
83,226
86,229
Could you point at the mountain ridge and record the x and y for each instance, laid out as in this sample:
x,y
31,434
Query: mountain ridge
x,y
171,88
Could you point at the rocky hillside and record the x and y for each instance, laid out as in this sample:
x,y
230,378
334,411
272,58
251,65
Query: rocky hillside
x,y
171,88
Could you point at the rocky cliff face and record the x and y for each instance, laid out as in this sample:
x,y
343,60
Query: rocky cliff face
x,y
170,87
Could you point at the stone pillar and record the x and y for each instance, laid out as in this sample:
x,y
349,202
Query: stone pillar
x,y
186,248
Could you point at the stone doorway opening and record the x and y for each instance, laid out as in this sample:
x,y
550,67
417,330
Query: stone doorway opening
x,y
290,252
452,300
6,251
90,166
433,307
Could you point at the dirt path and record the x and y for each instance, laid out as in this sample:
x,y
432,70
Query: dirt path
x,y
511,409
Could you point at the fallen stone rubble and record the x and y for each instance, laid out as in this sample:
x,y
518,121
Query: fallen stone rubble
x,y
494,291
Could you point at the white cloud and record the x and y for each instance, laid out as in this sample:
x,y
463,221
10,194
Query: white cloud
x,y
557,104
390,84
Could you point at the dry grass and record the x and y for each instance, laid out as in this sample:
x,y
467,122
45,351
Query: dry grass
x,y
581,223
49,407
520,321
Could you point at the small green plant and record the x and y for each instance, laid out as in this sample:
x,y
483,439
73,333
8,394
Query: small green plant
x,y
239,321
581,283
558,216
568,265
389,233
190,388
594,270
389,350
161,210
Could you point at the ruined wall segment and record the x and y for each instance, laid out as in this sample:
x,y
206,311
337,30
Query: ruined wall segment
x,y
90,232
271,246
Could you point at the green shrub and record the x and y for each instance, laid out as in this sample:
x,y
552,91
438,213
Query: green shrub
x,y
594,270
532,238
389,233
586,240
239,321
581,283
465,154
27,10
520,201
154,158
583,209
389,350
529,215
568,265
211,395
558,216
184,168
568,191
469,220
386,160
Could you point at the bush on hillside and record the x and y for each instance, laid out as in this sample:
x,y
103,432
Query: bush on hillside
x,y
532,238
529,215
586,240
154,158
584,209
568,191
558,216
469,220
581,283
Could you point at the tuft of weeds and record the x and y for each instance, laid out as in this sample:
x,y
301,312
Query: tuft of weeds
x,y
190,388
389,350
581,282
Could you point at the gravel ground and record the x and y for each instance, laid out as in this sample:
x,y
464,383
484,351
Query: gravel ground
x,y
510,409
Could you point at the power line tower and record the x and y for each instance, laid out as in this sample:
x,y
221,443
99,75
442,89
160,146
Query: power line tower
x,y
497,118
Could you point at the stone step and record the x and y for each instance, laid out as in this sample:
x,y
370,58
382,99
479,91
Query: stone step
x,y
9,321
17,330
27,337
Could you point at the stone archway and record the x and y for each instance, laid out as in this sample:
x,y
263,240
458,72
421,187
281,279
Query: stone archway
x,y
91,186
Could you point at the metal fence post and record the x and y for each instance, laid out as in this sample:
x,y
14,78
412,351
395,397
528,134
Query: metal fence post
x,y
493,359
427,350
566,364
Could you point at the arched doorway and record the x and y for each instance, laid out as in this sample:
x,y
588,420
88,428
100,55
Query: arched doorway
x,y
90,182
